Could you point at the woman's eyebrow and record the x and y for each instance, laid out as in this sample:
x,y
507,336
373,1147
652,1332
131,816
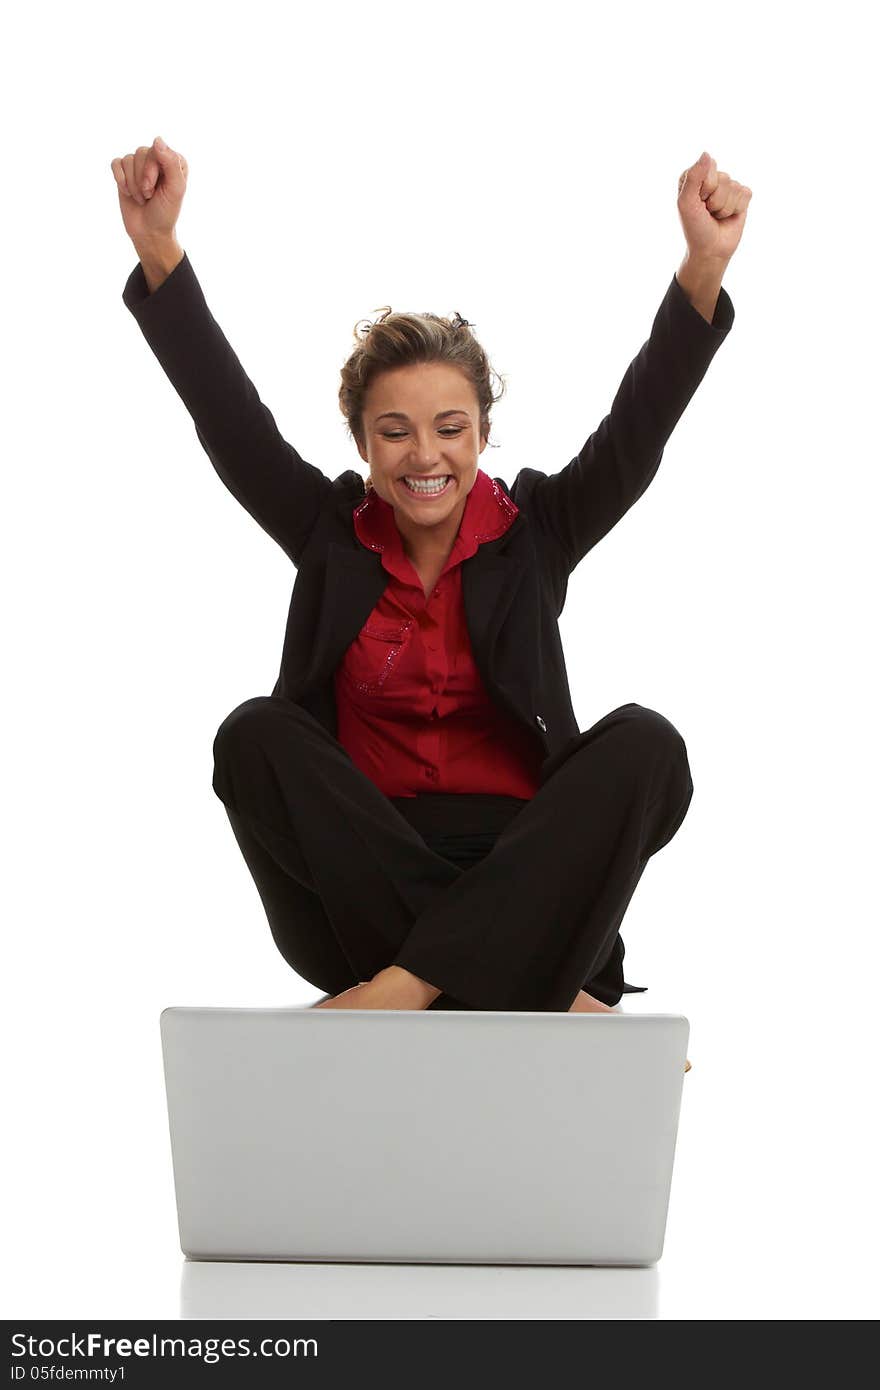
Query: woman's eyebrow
x,y
399,415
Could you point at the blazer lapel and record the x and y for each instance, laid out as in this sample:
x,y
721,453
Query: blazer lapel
x,y
502,627
354,582
487,583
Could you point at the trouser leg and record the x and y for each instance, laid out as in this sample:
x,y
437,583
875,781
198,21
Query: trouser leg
x,y
296,799
300,927
526,927
297,920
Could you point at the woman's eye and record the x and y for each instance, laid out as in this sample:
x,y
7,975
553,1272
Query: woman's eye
x,y
399,434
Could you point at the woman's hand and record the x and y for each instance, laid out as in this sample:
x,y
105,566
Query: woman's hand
x,y
712,207
151,184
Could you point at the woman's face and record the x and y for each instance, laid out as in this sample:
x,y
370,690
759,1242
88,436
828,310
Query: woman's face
x,y
423,421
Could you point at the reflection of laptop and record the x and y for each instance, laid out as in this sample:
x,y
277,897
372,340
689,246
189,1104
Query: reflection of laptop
x,y
422,1135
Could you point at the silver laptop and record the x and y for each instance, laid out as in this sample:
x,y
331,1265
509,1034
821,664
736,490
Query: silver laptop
x,y
463,1137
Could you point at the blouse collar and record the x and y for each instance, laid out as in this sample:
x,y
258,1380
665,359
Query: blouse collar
x,y
488,513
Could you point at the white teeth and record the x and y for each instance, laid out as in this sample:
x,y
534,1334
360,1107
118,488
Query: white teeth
x,y
425,485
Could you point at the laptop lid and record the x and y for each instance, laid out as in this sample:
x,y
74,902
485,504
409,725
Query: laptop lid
x,y
418,1135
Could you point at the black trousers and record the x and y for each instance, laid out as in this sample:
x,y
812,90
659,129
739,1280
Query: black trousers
x,y
498,902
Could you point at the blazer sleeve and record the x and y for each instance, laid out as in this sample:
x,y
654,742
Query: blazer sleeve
x,y
282,492
581,503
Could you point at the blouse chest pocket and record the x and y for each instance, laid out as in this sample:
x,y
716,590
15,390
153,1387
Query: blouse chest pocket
x,y
375,653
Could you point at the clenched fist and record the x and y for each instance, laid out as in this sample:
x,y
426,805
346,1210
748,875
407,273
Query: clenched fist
x,y
712,207
151,184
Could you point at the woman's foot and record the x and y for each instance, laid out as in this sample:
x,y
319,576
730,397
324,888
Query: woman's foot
x,y
392,988
586,1004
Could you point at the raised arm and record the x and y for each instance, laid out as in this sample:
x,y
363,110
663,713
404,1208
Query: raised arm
x,y
581,503
280,490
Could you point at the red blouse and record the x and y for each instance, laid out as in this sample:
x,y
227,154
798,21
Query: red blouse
x,y
412,710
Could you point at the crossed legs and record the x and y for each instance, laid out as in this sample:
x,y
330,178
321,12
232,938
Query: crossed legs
x,y
352,891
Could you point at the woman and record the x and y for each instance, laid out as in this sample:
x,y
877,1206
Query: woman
x,y
425,823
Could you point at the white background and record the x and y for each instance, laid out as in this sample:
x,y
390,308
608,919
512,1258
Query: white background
x,y
519,166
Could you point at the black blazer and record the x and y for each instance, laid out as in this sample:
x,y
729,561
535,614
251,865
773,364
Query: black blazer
x,y
514,588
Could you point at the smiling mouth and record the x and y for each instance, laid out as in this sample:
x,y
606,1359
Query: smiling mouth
x,y
428,487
